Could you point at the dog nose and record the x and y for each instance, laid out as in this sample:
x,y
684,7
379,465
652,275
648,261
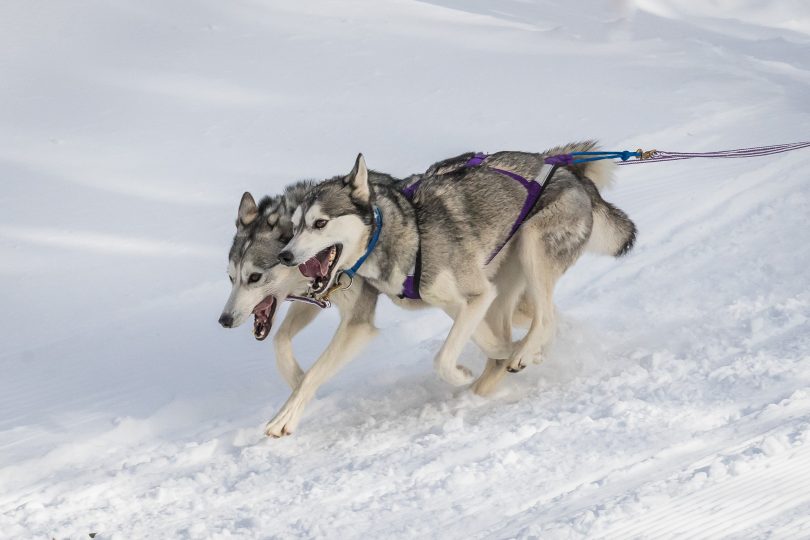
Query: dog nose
x,y
286,258
226,320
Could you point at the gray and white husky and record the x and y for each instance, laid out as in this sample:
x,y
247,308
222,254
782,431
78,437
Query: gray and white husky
x,y
259,281
457,223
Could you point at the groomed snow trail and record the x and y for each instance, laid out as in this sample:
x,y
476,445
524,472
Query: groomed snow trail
x,y
674,403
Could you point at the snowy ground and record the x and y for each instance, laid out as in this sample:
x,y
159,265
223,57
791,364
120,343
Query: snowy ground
x,y
675,402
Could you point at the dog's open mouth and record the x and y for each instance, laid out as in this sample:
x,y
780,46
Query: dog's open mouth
x,y
263,317
320,267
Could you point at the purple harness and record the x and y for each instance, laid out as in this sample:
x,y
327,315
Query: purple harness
x,y
534,188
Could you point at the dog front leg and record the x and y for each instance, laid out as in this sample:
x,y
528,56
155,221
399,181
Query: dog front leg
x,y
298,317
346,343
467,317
357,307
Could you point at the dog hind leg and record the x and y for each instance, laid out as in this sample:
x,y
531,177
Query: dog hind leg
x,y
467,316
500,317
488,381
541,277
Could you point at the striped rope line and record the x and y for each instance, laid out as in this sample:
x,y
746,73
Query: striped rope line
x,y
660,155
624,156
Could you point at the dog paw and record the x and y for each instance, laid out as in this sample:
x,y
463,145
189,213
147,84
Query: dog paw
x,y
457,375
521,359
488,381
283,424
515,369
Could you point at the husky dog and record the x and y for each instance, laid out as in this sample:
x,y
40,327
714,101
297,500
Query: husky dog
x,y
259,282
457,224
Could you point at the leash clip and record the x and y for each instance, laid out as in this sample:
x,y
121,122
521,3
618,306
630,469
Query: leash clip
x,y
646,155
337,286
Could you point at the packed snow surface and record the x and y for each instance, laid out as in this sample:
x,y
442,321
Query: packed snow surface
x,y
674,402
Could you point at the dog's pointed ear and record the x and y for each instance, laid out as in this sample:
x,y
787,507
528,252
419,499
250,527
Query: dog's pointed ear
x,y
358,180
248,211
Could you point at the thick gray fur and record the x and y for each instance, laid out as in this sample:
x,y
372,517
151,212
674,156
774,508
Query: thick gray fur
x,y
459,216
262,232
462,214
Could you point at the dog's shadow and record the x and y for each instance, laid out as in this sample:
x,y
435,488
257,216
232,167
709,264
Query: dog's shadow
x,y
417,403
365,410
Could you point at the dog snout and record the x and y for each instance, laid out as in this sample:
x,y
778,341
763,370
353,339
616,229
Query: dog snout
x,y
286,257
226,320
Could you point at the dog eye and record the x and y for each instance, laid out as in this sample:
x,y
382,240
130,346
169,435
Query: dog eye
x,y
254,277
231,278
320,224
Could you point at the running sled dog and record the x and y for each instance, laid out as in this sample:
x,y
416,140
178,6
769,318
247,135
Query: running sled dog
x,y
448,238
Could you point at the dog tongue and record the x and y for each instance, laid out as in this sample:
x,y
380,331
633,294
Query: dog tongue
x,y
262,310
316,266
262,317
310,268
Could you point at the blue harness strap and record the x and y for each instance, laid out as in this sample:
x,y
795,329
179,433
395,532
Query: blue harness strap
x,y
375,237
534,188
323,300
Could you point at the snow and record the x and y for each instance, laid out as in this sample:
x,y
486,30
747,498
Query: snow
x,y
675,400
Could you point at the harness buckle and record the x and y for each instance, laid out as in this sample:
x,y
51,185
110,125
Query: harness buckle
x,y
543,174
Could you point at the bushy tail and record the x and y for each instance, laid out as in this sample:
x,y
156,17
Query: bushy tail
x,y
613,232
600,172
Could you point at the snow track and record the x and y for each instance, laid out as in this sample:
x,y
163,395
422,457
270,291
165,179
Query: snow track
x,y
674,403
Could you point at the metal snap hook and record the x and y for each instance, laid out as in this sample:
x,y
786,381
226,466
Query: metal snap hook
x,y
351,280
337,285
